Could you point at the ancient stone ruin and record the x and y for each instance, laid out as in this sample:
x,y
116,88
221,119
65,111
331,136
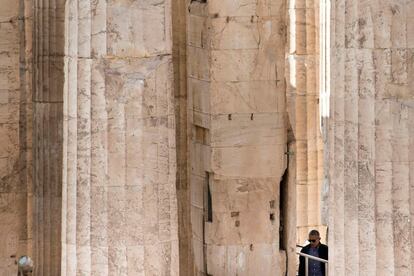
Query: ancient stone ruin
x,y
206,137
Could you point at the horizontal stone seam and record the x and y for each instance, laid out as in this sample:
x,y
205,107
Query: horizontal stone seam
x,y
101,57
236,113
47,101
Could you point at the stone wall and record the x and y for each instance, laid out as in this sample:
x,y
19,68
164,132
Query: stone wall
x,y
370,138
237,113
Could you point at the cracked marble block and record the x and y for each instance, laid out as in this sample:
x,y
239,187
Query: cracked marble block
x,y
237,112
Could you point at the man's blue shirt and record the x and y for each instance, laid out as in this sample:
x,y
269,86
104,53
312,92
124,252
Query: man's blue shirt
x,y
314,266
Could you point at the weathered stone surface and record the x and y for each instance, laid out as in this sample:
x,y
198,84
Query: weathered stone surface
x,y
370,140
237,112
303,108
119,204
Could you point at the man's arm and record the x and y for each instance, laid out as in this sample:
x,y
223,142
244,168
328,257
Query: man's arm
x,y
325,252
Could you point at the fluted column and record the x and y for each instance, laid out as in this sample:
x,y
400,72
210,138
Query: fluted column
x,y
179,30
119,199
303,107
370,138
104,139
48,78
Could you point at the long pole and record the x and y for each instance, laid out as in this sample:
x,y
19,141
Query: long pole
x,y
306,266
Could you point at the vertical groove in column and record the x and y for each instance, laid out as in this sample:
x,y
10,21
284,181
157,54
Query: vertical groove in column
x,y
336,151
338,168
99,166
47,106
179,30
84,168
99,142
366,159
38,258
70,122
38,169
350,165
411,172
400,189
47,258
71,138
83,224
383,167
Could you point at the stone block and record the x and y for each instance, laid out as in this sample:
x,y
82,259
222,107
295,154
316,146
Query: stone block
x,y
246,130
248,161
242,65
245,8
247,97
128,32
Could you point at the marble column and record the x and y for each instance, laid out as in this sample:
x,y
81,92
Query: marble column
x,y
119,199
48,79
303,108
370,138
105,138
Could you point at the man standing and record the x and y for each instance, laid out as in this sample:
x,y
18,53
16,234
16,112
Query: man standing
x,y
317,249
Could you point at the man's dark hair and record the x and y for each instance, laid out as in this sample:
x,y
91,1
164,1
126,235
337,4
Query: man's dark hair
x,y
314,233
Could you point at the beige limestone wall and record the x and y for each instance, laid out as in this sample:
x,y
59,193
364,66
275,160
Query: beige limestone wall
x,y
119,198
237,113
370,138
15,134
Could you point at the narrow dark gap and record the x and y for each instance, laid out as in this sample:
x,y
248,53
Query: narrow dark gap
x,y
287,191
208,206
208,216
283,190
